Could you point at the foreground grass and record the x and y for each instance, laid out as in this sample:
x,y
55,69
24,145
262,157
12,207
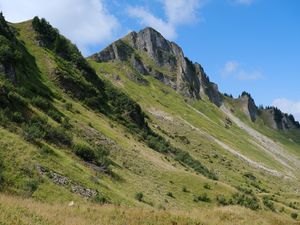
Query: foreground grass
x,y
25,211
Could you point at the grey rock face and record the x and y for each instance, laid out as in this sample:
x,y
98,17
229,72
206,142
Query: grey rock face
x,y
156,46
248,106
189,79
138,65
280,121
208,88
119,50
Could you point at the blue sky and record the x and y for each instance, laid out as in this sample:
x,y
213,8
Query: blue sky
x,y
251,45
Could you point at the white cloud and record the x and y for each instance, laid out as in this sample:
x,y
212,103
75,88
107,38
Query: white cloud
x,y
147,19
243,2
181,11
85,22
288,106
177,12
230,67
235,70
249,75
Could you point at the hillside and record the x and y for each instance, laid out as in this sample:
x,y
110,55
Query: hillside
x,y
137,125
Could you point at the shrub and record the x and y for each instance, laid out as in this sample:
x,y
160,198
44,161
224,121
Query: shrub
x,y
85,152
17,99
139,196
33,132
221,200
102,160
202,198
294,215
66,123
268,203
184,189
58,135
41,103
207,186
250,202
17,117
31,185
47,150
170,194
100,199
55,115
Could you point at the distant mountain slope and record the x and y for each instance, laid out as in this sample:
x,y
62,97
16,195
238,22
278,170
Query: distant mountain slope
x,y
135,125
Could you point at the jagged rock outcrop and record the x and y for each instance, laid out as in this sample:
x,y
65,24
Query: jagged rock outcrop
x,y
279,120
187,78
208,88
247,106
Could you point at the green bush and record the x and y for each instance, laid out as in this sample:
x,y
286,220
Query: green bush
x,y
139,196
33,132
170,194
102,159
184,189
202,198
16,99
17,117
268,203
55,115
66,123
41,103
98,199
97,156
85,152
31,185
250,202
58,135
47,150
222,200
294,215
207,186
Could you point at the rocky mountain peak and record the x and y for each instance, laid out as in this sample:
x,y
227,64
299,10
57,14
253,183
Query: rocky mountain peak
x,y
170,65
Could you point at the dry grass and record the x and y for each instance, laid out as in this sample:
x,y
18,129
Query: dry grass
x,y
17,211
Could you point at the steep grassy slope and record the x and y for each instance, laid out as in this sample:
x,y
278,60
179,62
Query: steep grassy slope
x,y
54,148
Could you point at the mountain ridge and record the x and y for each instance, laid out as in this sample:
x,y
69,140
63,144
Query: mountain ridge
x,y
190,78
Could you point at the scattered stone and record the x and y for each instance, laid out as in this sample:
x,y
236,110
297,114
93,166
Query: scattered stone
x,y
84,192
59,179
65,181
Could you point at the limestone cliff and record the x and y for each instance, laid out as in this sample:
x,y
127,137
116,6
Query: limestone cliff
x,y
167,63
